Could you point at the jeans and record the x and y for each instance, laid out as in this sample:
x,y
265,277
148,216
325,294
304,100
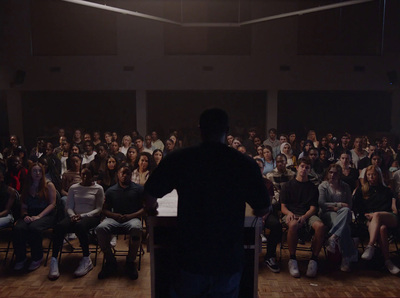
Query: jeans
x,y
339,222
110,227
6,220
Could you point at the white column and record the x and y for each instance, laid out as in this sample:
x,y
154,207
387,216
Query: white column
x,y
272,110
14,111
141,112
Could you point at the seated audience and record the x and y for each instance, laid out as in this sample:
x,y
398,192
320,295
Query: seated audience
x,y
148,144
10,149
387,154
375,160
96,138
335,201
242,149
376,206
114,151
229,140
268,160
107,140
38,150
156,142
63,156
143,168
278,177
38,201
277,150
349,174
344,146
157,156
317,171
293,144
89,154
286,149
123,208
51,173
272,141
331,151
139,144
169,147
126,143
58,149
72,175
99,164
312,136
366,161
357,153
51,157
87,137
108,178
299,204
324,143
16,174
132,157
75,149
259,152
77,139
249,142
306,148
115,136
236,143
84,204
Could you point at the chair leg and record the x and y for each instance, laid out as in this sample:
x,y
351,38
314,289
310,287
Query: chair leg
x,y
8,249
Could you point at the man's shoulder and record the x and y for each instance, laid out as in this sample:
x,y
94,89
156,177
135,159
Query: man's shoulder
x,y
135,186
114,188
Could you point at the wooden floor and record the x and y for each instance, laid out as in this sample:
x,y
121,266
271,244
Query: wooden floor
x,y
363,281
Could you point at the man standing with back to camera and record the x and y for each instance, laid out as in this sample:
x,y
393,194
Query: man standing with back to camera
x,y
213,183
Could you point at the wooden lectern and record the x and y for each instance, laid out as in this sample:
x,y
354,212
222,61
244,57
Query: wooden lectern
x,y
162,229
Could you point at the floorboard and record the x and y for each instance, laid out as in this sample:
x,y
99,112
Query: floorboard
x,y
363,281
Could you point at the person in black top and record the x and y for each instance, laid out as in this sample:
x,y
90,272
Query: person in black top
x,y
213,182
299,204
123,208
375,203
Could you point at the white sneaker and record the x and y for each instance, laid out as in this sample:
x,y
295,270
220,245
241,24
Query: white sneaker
x,y
113,241
392,267
53,272
85,265
35,265
293,268
331,245
345,265
72,236
312,268
19,265
263,238
368,253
